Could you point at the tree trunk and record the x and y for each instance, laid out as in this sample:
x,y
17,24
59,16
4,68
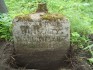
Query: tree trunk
x,y
3,8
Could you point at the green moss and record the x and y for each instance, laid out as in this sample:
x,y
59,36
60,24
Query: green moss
x,y
23,18
51,17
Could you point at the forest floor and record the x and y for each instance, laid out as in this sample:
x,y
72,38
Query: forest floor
x,y
6,51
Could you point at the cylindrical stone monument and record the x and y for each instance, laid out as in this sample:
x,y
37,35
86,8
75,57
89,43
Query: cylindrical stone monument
x,y
40,39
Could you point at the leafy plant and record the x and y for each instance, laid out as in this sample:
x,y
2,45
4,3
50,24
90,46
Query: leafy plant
x,y
77,39
90,60
90,48
5,27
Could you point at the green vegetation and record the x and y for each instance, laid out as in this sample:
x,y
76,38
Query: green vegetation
x,y
5,27
79,13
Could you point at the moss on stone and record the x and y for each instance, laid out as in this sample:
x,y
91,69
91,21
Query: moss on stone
x,y
51,17
23,18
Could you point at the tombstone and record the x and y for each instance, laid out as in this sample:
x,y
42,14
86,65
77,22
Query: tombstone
x,y
41,39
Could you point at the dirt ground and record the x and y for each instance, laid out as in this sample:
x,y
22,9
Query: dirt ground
x,y
6,60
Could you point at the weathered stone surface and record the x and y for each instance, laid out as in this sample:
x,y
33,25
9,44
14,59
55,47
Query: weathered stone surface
x,y
41,39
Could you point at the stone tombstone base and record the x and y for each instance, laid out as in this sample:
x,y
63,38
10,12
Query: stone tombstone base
x,y
40,39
